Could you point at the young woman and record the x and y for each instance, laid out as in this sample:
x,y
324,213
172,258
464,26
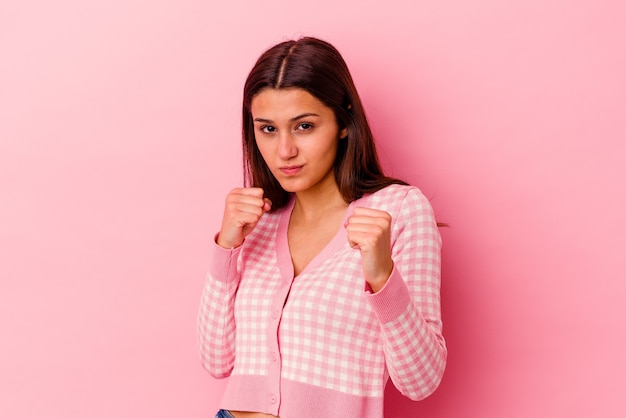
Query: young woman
x,y
324,277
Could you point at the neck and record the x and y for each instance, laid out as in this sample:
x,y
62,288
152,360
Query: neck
x,y
311,205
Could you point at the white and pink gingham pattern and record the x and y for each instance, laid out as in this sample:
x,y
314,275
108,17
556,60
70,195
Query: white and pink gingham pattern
x,y
323,329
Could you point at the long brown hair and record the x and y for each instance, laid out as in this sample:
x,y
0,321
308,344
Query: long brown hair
x,y
318,68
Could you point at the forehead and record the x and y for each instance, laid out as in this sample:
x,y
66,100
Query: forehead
x,y
272,103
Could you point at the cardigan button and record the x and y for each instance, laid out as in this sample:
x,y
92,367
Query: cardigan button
x,y
275,314
273,399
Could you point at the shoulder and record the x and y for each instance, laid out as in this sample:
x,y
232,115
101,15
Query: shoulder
x,y
393,197
411,213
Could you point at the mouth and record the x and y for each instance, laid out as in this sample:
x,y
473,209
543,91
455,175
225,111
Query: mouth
x,y
291,170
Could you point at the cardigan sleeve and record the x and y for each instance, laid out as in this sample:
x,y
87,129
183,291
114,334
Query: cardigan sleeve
x,y
408,306
216,322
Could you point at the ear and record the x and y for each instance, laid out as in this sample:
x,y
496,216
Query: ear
x,y
343,134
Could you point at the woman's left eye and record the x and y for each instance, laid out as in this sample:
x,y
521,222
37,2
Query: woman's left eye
x,y
305,126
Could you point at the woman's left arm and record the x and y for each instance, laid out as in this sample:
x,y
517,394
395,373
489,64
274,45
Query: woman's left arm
x,y
408,302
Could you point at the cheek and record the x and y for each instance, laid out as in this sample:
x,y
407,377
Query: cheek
x,y
264,150
330,150
256,144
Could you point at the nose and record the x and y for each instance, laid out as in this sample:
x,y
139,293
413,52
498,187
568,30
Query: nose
x,y
287,148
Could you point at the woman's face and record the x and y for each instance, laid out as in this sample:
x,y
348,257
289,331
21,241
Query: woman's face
x,y
297,136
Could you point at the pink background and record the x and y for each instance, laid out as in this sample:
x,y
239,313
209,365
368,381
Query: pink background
x,y
119,136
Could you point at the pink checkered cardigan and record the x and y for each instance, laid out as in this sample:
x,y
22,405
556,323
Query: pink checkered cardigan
x,y
322,344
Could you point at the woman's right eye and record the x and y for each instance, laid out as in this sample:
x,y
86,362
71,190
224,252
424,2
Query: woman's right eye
x,y
268,129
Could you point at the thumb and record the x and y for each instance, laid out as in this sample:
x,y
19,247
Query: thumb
x,y
267,205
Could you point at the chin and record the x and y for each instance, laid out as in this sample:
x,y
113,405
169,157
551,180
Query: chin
x,y
291,189
291,186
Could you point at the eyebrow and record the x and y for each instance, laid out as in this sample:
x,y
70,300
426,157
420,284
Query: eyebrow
x,y
304,115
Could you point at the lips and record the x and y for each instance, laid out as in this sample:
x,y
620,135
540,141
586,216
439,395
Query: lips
x,y
291,170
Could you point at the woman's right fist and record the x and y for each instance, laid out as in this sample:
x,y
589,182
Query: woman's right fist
x,y
243,209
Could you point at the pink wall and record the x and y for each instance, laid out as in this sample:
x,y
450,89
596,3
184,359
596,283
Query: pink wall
x,y
119,127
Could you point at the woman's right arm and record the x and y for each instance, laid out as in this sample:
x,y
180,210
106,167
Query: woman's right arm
x,y
216,318
216,321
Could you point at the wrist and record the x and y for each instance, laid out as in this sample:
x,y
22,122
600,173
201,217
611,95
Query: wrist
x,y
229,245
379,282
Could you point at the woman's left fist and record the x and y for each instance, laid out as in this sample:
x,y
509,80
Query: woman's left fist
x,y
369,231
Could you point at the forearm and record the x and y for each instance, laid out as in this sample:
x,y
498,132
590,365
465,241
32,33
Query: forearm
x,y
216,323
409,305
415,354
414,348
